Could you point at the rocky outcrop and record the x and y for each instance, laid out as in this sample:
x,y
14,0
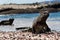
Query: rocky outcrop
x,y
39,25
50,7
7,22
19,11
6,9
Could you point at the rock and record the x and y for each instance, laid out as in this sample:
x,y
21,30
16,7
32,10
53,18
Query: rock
x,y
7,22
40,26
25,29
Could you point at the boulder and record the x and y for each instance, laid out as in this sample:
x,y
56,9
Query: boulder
x,y
39,25
7,22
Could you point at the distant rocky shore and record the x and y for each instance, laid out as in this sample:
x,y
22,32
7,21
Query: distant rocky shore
x,y
15,11
22,11
50,8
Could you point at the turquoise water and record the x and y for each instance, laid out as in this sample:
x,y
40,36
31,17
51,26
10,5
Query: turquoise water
x,y
55,16
26,20
19,16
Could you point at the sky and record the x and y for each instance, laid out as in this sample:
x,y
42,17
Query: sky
x,y
21,1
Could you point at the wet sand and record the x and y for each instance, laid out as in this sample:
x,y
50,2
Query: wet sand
x,y
19,35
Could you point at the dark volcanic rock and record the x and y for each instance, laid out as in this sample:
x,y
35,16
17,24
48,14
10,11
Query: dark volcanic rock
x,y
40,26
7,22
6,9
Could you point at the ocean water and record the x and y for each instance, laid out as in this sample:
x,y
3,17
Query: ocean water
x,y
26,20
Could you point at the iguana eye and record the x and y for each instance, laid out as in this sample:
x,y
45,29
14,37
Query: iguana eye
x,y
44,13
